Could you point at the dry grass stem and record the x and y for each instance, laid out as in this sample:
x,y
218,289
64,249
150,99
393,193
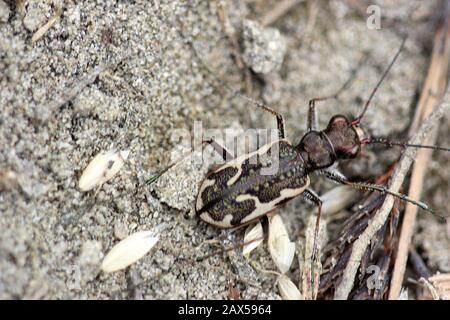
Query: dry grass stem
x,y
441,284
310,286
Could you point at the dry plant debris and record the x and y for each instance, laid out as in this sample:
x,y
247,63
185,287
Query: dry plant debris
x,y
441,284
55,18
338,199
49,74
311,270
371,282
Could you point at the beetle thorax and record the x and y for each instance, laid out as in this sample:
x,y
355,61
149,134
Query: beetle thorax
x,y
316,150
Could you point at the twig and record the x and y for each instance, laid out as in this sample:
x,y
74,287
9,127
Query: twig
x,y
430,287
42,30
310,286
305,36
441,282
358,5
278,11
236,50
360,245
432,93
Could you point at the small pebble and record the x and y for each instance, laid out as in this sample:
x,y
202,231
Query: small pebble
x,y
120,230
264,48
4,12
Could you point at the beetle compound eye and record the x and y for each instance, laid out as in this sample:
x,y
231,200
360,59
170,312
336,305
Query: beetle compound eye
x,y
339,122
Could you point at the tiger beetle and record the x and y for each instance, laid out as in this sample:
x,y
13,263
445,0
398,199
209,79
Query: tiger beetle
x,y
236,193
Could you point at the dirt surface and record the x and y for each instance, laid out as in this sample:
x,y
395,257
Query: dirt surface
x,y
118,75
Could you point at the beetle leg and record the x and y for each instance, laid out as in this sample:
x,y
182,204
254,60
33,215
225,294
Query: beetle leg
x,y
312,196
334,172
312,113
279,116
377,187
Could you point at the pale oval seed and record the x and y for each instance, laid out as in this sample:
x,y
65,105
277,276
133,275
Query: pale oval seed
x,y
129,250
280,247
288,289
253,237
102,168
337,199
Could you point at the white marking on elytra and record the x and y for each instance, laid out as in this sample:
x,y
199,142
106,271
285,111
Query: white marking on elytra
x,y
205,184
237,162
260,208
224,223
263,208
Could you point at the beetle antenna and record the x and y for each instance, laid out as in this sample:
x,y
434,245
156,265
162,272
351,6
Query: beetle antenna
x,y
391,143
357,120
184,156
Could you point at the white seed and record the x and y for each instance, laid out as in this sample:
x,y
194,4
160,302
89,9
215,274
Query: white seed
x,y
253,237
102,168
337,199
129,250
280,247
288,290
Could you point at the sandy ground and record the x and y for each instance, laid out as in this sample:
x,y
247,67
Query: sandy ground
x,y
134,79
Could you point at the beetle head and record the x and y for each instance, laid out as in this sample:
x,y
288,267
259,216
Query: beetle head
x,y
344,136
